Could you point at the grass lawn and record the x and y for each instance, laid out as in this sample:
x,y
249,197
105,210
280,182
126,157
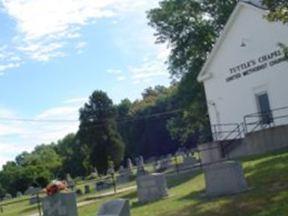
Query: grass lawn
x,y
267,177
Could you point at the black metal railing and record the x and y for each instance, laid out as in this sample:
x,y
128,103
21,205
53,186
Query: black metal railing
x,y
227,131
262,120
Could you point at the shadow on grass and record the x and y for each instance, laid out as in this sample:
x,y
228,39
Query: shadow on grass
x,y
181,178
269,179
130,196
269,172
195,195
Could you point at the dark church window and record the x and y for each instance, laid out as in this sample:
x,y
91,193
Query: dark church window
x,y
264,108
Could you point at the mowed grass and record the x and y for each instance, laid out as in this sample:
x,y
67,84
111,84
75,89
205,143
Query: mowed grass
x,y
266,175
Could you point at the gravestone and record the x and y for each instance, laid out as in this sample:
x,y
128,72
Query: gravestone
x,y
224,178
60,204
119,207
87,189
33,191
210,153
151,187
19,194
140,166
7,196
95,174
163,164
70,182
124,175
34,199
169,160
157,166
130,165
102,185
189,161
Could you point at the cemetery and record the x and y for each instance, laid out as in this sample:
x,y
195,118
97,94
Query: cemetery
x,y
226,162
264,185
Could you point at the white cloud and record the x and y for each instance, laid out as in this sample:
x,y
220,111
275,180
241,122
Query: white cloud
x,y
8,60
4,67
19,136
44,26
152,66
78,100
80,47
121,78
117,73
54,18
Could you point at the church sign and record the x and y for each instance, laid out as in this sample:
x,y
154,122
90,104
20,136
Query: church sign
x,y
256,65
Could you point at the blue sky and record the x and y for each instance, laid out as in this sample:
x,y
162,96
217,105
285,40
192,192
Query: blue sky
x,y
53,54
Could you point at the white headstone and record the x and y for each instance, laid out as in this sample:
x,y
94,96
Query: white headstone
x,y
140,166
224,178
70,182
129,164
19,194
119,207
210,153
151,187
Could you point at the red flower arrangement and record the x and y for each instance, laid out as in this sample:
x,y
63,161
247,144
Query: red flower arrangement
x,y
56,187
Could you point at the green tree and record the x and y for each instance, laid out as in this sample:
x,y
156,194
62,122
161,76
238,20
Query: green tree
x,y
72,155
190,27
278,10
144,131
98,132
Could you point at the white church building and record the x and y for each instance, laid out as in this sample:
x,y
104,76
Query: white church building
x,y
246,74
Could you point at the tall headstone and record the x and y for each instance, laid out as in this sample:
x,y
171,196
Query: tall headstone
x,y
151,187
157,166
130,166
60,204
119,207
95,174
70,182
140,166
224,178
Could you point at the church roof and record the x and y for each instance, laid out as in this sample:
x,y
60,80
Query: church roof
x,y
244,3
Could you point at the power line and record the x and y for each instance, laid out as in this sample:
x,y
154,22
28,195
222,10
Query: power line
x,y
150,116
38,120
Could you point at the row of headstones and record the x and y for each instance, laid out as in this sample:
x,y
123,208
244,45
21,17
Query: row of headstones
x,y
149,188
30,191
18,194
169,162
153,187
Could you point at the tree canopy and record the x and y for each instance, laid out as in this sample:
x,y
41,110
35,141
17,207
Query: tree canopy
x,y
98,132
278,10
